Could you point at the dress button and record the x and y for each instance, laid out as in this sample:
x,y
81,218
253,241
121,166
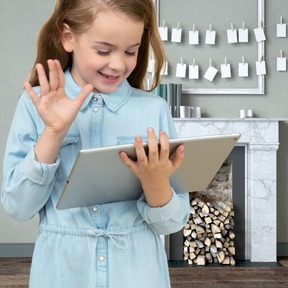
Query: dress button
x,y
95,209
95,98
101,258
96,110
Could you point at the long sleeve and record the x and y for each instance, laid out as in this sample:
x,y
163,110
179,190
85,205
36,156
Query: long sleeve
x,y
167,219
27,184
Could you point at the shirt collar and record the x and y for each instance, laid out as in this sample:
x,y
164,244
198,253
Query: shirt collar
x,y
113,101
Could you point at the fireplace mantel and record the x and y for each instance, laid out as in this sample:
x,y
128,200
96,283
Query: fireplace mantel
x,y
261,140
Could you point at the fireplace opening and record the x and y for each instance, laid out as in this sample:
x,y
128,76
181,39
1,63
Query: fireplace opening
x,y
236,160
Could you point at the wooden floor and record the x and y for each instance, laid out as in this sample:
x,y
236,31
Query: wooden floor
x,y
14,273
260,277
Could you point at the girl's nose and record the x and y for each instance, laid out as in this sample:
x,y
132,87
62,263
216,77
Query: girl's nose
x,y
117,63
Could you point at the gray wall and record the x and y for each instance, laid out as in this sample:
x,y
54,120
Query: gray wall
x,y
19,25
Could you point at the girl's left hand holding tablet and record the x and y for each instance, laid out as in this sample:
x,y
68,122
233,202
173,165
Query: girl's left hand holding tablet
x,y
154,169
55,109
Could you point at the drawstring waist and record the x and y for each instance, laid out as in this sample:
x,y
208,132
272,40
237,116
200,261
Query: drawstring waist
x,y
118,237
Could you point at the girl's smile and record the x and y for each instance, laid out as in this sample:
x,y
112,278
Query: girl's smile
x,y
109,79
106,54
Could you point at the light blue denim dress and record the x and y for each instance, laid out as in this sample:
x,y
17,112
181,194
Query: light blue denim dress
x,y
111,245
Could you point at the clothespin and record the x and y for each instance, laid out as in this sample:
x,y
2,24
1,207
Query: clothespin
x,y
232,27
193,62
261,58
210,62
193,27
281,53
225,61
163,25
181,60
261,26
210,28
178,25
281,20
243,60
243,25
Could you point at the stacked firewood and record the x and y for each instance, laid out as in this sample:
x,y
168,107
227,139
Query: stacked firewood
x,y
208,235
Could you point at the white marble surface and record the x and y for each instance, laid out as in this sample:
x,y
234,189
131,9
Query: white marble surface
x,y
261,140
233,119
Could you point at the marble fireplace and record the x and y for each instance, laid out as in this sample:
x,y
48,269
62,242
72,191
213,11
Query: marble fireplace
x,y
260,138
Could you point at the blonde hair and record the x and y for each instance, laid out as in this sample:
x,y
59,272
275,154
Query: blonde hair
x,y
79,15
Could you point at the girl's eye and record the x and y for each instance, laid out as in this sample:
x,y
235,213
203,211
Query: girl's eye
x,y
103,53
130,53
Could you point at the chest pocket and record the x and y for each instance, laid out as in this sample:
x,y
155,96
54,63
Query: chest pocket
x,y
68,152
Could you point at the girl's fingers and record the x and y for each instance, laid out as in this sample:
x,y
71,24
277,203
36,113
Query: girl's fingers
x,y
86,90
34,97
56,84
178,157
53,75
127,161
140,151
141,157
44,85
61,75
164,146
153,155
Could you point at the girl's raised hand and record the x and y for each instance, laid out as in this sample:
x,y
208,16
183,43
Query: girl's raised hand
x,y
54,107
154,169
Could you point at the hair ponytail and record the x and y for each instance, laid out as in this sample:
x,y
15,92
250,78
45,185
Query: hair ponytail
x,y
49,46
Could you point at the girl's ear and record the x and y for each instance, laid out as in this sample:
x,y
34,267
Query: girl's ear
x,y
67,38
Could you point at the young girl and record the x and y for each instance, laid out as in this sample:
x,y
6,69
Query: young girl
x,y
88,92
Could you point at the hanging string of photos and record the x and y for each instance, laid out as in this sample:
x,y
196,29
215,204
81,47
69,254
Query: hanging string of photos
x,y
234,36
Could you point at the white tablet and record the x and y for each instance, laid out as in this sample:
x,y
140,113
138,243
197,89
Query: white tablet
x,y
99,176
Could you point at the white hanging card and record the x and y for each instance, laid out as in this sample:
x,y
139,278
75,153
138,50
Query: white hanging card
x,y
176,35
193,37
163,33
151,65
210,73
225,71
281,64
164,70
181,70
259,34
243,69
281,30
232,36
243,35
210,37
193,71
261,68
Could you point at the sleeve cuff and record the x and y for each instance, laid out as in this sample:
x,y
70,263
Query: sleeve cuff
x,y
158,214
39,173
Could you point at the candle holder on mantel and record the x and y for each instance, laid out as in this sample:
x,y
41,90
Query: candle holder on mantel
x,y
246,113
